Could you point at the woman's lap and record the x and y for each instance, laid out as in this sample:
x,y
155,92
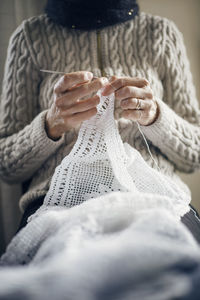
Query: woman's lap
x,y
191,219
30,210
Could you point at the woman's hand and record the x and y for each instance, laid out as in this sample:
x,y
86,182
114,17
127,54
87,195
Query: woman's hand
x,y
68,110
136,98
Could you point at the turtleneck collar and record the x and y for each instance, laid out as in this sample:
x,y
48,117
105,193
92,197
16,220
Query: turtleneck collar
x,y
91,14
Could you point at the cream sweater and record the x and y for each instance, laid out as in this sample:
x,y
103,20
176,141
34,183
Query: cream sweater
x,y
148,46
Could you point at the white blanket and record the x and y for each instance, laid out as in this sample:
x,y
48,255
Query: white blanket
x,y
106,248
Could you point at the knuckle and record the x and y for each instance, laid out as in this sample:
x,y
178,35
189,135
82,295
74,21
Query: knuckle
x,y
93,111
127,114
70,110
148,105
149,95
57,101
60,84
66,81
96,101
120,81
146,81
56,88
143,80
117,94
138,78
113,78
116,83
148,114
97,98
65,78
126,90
69,120
128,102
92,102
85,88
85,76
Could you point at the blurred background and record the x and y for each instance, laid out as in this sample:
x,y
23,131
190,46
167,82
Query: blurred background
x,y
12,12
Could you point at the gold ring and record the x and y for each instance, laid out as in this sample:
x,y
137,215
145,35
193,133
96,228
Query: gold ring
x,y
138,105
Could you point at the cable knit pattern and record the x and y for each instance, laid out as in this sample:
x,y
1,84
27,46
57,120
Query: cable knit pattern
x,y
147,46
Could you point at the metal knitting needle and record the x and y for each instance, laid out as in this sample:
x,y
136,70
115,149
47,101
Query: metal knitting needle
x,y
53,72
58,72
64,73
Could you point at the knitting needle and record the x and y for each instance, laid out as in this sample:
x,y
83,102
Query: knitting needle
x,y
53,72
58,72
64,73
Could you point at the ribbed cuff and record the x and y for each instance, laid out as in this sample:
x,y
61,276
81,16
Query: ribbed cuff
x,y
166,133
160,133
43,144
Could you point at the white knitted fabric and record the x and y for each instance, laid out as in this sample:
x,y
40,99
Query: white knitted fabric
x,y
128,232
100,163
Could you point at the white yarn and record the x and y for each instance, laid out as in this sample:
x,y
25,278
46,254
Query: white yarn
x,y
148,148
100,163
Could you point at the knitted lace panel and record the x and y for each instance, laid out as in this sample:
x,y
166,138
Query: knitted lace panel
x,y
100,163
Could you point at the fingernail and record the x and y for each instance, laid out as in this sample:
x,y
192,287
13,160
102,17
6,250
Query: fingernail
x,y
89,76
105,80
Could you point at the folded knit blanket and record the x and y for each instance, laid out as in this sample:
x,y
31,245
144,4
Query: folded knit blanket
x,y
109,228
101,249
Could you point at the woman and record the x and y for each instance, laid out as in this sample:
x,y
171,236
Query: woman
x,y
41,113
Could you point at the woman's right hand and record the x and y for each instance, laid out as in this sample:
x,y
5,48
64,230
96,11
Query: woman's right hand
x,y
68,110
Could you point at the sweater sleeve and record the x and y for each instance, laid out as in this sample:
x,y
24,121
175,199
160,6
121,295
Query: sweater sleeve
x,y
24,145
176,132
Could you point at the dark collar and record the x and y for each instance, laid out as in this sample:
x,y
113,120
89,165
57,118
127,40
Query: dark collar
x,y
91,14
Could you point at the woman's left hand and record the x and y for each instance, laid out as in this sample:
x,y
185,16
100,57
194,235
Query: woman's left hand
x,y
136,98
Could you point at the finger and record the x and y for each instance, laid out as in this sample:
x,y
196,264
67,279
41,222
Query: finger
x,y
132,103
86,89
81,116
112,78
133,92
124,81
81,106
134,115
72,79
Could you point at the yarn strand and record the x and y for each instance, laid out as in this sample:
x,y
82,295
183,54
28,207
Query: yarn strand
x,y
148,148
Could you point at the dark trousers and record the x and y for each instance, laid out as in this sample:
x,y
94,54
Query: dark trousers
x,y
30,210
191,219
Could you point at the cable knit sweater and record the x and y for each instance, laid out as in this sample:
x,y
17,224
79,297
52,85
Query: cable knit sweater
x,y
147,46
